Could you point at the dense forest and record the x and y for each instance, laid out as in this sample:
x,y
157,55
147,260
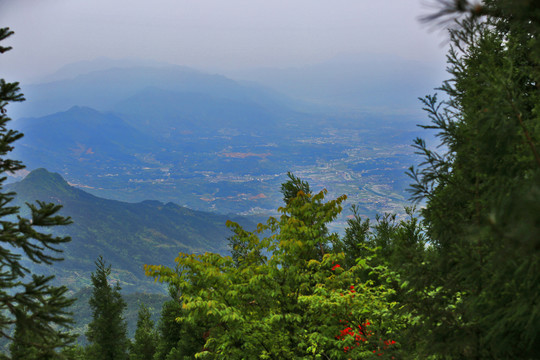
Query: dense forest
x,y
459,278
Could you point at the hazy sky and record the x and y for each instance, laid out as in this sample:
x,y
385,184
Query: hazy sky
x,y
211,34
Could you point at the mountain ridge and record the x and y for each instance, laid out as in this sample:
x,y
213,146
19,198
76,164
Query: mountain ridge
x,y
128,235
103,88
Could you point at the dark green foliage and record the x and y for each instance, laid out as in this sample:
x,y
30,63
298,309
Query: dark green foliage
x,y
482,194
74,352
354,243
82,313
523,15
169,330
21,347
144,343
28,301
178,340
107,331
398,244
293,186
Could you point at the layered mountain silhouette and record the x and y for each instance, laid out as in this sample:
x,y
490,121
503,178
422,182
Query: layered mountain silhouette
x,y
164,113
102,89
128,235
131,131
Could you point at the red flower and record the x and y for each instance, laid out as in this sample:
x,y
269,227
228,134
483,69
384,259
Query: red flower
x,y
335,267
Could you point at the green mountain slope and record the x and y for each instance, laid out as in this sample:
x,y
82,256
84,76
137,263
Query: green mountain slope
x,y
128,235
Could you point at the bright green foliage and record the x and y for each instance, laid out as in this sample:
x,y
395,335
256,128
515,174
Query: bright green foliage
x,y
107,331
145,341
482,212
282,298
36,308
402,247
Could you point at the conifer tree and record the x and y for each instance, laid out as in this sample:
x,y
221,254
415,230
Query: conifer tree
x,y
169,330
145,341
178,340
74,352
293,186
483,194
107,332
29,302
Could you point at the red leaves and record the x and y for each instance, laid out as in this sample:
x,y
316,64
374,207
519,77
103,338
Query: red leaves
x,y
362,335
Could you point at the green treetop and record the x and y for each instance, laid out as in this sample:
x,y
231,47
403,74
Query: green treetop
x,y
29,302
145,341
483,194
107,332
280,299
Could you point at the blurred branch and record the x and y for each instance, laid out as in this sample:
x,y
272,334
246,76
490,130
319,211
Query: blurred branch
x,y
448,11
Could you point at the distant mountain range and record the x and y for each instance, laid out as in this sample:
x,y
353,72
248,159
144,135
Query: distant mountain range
x,y
378,83
135,130
79,136
102,89
368,82
128,235
164,113
160,144
131,131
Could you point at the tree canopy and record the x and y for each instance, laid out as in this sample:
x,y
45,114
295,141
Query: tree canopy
x,y
483,193
280,300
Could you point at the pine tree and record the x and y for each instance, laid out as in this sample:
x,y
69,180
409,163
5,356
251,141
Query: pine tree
x,y
29,302
107,332
169,330
482,196
74,352
291,187
145,341
178,340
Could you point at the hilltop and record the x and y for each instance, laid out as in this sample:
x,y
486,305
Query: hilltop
x,y
128,235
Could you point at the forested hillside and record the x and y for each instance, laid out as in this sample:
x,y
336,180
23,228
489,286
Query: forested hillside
x,y
128,234
457,278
